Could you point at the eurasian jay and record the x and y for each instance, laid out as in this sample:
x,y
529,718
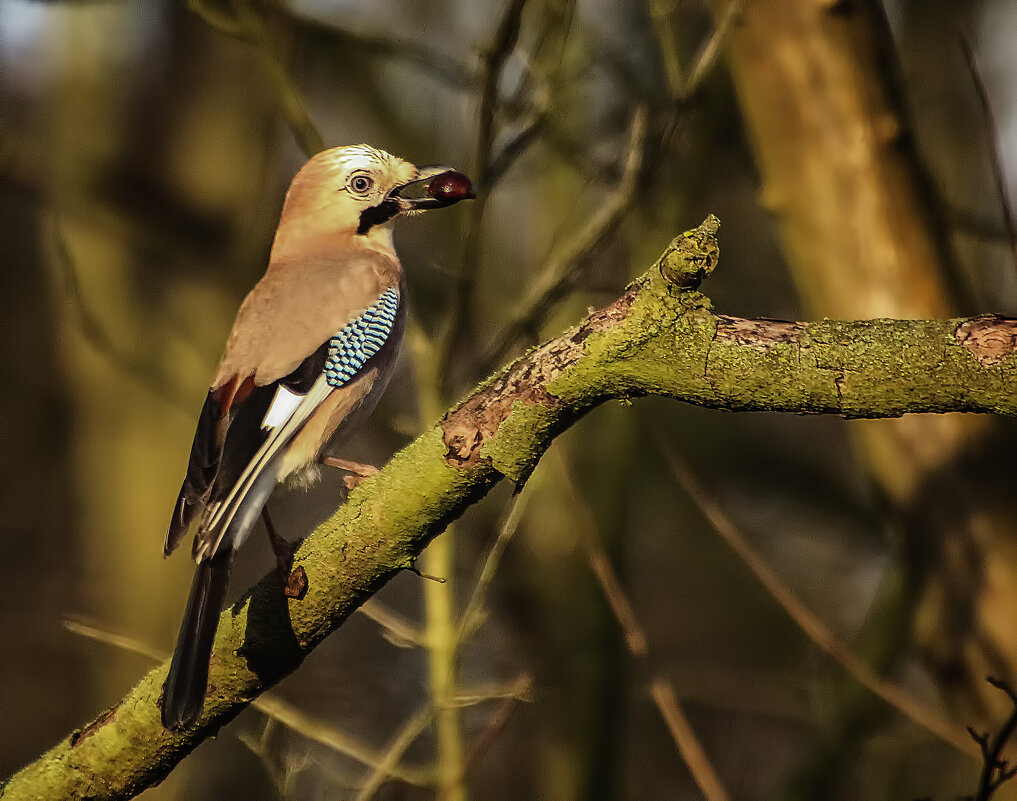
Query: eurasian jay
x,y
312,349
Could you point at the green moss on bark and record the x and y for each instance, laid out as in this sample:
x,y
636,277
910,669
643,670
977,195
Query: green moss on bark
x,y
657,338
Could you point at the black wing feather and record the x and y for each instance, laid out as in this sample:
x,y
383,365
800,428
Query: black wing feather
x,y
223,447
202,467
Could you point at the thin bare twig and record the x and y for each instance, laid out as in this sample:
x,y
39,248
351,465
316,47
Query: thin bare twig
x,y
390,759
281,765
682,733
996,771
711,49
439,601
685,739
518,690
472,615
661,12
326,734
388,765
531,102
517,145
495,725
442,652
398,630
680,87
566,260
992,139
273,708
121,641
808,622
570,151
494,58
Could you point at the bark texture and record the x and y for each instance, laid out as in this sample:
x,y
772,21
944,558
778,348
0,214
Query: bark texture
x,y
660,337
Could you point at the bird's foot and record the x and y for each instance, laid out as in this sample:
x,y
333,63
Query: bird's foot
x,y
358,472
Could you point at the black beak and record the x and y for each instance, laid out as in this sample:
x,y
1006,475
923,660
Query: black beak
x,y
436,188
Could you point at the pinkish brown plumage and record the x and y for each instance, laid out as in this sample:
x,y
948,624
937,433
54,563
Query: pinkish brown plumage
x,y
311,351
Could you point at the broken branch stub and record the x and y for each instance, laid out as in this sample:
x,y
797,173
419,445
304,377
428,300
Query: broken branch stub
x,y
691,257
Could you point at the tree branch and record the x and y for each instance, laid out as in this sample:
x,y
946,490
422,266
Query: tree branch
x,y
661,337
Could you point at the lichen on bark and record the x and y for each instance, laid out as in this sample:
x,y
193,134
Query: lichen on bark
x,y
658,338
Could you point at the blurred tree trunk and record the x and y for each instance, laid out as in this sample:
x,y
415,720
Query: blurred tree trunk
x,y
819,88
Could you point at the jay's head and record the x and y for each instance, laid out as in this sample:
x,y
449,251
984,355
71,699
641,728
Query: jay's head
x,y
358,191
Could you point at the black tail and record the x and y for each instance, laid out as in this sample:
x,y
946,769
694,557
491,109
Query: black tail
x,y
188,674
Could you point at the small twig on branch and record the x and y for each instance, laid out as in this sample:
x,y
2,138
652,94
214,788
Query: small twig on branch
x,y
996,771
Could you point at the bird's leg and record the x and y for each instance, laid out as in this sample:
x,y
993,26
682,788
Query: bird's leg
x,y
358,471
282,548
294,581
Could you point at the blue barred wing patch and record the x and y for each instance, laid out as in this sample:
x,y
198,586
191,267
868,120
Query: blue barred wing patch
x,y
360,339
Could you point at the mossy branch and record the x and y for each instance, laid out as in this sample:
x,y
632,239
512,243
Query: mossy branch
x,y
661,337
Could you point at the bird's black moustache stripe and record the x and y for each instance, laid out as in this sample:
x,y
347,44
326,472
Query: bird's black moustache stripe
x,y
377,215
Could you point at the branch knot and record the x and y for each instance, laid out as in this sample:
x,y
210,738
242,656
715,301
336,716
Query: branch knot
x,y
692,256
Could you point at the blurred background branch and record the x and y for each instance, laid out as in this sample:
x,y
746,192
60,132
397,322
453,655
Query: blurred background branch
x,y
859,154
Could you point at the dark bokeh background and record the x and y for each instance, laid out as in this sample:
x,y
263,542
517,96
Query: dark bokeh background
x,y
144,151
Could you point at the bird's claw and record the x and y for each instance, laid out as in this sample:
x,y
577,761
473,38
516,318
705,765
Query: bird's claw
x,y
358,472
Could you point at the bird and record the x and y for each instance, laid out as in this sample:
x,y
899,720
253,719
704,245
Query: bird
x,y
312,349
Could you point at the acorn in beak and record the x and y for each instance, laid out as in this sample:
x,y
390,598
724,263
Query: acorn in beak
x,y
435,188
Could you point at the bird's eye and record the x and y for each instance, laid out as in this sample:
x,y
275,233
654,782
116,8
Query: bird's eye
x,y
361,183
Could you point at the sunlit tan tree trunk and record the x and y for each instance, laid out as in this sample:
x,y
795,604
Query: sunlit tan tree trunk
x,y
817,83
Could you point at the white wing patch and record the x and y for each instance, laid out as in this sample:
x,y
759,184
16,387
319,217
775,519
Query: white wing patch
x,y
349,350
220,515
283,405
